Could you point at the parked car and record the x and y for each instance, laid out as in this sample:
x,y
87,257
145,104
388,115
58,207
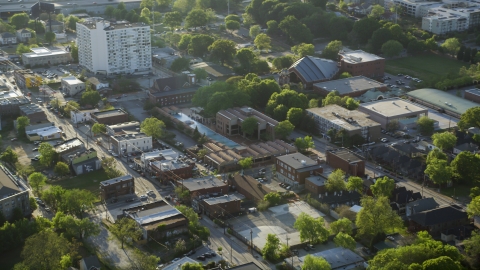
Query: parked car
x,y
143,197
130,200
201,258
384,140
39,201
35,149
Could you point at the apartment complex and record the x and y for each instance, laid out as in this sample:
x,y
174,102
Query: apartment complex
x,y
293,169
43,56
113,47
229,122
334,117
13,194
360,63
115,187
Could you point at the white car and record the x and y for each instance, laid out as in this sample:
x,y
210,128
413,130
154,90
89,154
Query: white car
x,y
384,140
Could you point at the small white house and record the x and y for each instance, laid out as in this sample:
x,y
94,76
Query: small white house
x,y
23,35
71,85
8,38
78,116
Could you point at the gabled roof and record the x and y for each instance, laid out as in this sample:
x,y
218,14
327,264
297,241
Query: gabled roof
x,y
7,35
439,215
170,83
422,205
315,69
23,31
467,147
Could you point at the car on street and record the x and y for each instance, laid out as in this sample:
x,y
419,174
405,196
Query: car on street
x,y
39,201
143,197
35,149
384,140
35,159
47,209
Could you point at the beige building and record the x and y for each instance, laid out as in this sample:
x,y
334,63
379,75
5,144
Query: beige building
x,y
72,86
43,56
387,110
229,122
338,118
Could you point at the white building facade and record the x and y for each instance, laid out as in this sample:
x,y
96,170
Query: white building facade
x,y
114,48
128,143
81,116
71,85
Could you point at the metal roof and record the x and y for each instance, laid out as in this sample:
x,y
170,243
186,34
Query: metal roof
x,y
316,69
442,99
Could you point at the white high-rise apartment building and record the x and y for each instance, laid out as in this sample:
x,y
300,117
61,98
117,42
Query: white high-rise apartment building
x,y
114,47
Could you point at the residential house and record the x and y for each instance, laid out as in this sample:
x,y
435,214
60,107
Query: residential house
x,y
406,149
294,168
338,258
470,147
456,236
7,38
97,84
23,35
436,220
420,205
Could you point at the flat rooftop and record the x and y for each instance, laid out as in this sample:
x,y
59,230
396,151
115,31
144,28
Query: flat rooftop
x,y
122,127
297,160
224,199
72,80
474,91
44,132
350,85
12,97
110,113
359,56
349,120
338,257
193,184
152,213
317,180
345,154
130,136
127,177
31,108
100,23
168,165
44,52
442,99
68,144
393,107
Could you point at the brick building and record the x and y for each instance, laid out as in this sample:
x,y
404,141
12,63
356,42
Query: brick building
x,y
110,117
116,187
208,185
294,168
334,117
170,170
229,122
225,205
360,63
472,95
26,78
173,90
316,184
249,187
351,87
309,70
10,102
346,160
34,112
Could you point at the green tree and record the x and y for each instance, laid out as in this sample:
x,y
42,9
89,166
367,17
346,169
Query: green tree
x,y
249,125
9,156
180,64
126,229
444,140
72,22
74,52
196,18
273,198
436,153
61,169
295,115
313,103
284,129
50,37
192,266
109,11
233,17
32,204
255,30
303,49
345,75
282,62
425,125
473,208
22,123
377,11
364,28
247,58
200,73
153,127
199,45
383,187
71,106
344,240
471,118
21,49
303,144
465,166
98,128
311,229
90,97
35,255
315,263
376,216
245,163
75,227
355,183
336,181
392,48
76,201
295,30
438,171
232,25
47,154
443,262
451,45
223,50
110,168
271,247
144,261
472,248
173,19
332,49
19,20
342,225
379,37
272,27
263,42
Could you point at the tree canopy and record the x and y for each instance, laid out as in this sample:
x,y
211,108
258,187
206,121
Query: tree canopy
x,y
153,127
465,167
315,263
222,49
311,229
376,216
425,125
249,125
126,229
219,96
444,140
284,129
303,144
383,187
47,154
471,118
336,181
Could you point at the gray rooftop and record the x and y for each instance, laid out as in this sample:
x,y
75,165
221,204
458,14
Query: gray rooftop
x,y
296,160
127,177
175,92
350,85
144,215
7,184
442,99
393,107
317,180
224,199
338,257
68,144
315,69
168,165
109,113
194,184
474,91
349,120
359,56
346,154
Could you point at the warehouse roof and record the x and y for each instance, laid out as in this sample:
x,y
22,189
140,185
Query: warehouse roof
x,y
442,100
350,85
315,69
393,107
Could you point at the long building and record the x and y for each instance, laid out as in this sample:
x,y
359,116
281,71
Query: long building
x,y
114,47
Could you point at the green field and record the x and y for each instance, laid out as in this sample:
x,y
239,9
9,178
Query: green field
x,y
89,181
424,67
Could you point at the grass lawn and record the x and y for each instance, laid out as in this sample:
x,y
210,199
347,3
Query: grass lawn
x,y
88,181
425,66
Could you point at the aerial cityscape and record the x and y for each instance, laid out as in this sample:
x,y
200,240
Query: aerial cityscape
x,y
239,134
